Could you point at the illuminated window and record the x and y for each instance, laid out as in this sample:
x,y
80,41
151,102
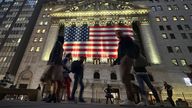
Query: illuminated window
x,y
157,19
174,62
178,49
37,49
41,23
32,49
169,7
187,81
181,18
35,39
43,31
183,62
186,7
164,18
50,9
39,31
174,18
4,59
46,9
153,8
44,16
40,39
164,35
46,23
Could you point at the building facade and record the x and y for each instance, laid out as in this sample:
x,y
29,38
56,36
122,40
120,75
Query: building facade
x,y
17,19
166,40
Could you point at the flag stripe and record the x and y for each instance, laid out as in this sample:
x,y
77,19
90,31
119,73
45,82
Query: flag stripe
x,y
94,41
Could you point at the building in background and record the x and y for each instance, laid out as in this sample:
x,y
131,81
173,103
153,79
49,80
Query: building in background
x,y
166,40
17,20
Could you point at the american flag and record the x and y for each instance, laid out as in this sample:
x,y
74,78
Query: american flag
x,y
93,41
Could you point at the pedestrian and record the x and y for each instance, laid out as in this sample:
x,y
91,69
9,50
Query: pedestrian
x,y
169,90
108,95
54,72
67,69
142,76
128,50
77,67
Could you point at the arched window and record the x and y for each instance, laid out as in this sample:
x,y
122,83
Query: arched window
x,y
113,76
96,75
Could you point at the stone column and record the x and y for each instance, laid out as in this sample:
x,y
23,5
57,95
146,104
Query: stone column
x,y
51,38
149,43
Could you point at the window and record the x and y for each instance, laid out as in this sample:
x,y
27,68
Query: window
x,y
96,75
174,18
113,76
159,8
153,8
46,9
183,35
38,31
50,9
178,49
172,36
174,62
157,19
169,48
40,39
186,7
37,49
164,18
46,23
41,23
187,27
43,31
168,27
169,7
190,49
35,39
161,27
190,34
181,18
164,36
32,49
179,27
175,7
183,62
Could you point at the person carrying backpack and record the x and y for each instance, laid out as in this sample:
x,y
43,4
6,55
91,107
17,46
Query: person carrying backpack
x,y
77,67
169,90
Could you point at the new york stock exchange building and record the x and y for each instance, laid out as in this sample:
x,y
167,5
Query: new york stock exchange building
x,y
89,31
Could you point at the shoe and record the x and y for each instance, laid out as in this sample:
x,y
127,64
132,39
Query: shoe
x,y
82,100
141,104
126,102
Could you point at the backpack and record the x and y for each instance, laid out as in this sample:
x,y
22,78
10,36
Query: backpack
x,y
75,65
134,50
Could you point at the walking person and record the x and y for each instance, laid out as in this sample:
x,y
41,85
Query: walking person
x,y
54,72
128,50
77,67
169,90
108,95
142,76
67,69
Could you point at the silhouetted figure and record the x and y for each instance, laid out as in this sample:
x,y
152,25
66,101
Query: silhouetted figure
x,y
128,50
67,70
77,67
108,95
142,76
54,73
169,90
